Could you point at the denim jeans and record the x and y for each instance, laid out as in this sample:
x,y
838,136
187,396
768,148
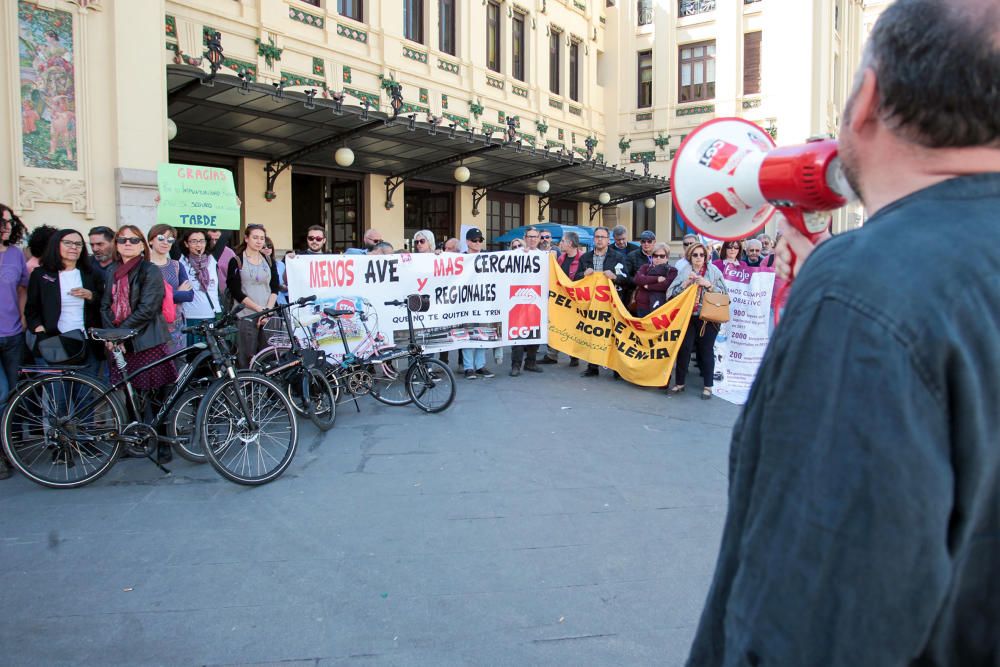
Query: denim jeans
x,y
473,358
11,360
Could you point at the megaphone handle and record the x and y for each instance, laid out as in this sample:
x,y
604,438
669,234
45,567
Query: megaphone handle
x,y
796,219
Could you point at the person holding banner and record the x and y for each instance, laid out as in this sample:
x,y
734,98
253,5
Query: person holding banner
x,y
253,282
653,280
474,358
202,271
702,274
732,253
423,241
526,354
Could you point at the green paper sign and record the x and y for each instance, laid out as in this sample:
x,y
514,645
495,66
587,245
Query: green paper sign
x,y
193,196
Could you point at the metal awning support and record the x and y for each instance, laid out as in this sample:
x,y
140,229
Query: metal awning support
x,y
642,195
393,182
480,192
278,165
543,202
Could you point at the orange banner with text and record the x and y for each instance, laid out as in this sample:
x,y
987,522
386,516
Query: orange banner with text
x,y
588,320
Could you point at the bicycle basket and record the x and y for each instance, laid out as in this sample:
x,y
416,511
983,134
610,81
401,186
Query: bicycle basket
x,y
275,332
418,303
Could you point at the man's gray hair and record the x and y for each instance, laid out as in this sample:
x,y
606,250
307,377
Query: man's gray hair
x,y
754,243
619,231
573,238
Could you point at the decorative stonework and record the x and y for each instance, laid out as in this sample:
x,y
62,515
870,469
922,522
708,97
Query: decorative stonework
x,y
206,34
560,133
576,111
694,111
501,117
461,121
673,152
32,190
84,5
170,26
319,67
250,69
346,75
494,129
529,138
270,51
554,144
541,126
352,33
661,141
290,79
555,104
639,117
413,54
623,144
752,104
476,109
444,101
423,96
446,66
305,17
642,156
372,98
517,90
494,83
582,6
413,108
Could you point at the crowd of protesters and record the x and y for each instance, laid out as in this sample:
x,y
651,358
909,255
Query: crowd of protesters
x,y
161,282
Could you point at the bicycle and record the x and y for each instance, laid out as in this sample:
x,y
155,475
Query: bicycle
x,y
63,429
370,369
301,369
429,382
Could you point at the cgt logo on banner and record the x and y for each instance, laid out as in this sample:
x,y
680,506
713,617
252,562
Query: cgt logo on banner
x,y
588,320
477,300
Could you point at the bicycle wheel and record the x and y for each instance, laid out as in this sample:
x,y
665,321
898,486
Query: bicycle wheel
x,y
322,401
181,426
431,384
60,432
241,451
268,357
390,382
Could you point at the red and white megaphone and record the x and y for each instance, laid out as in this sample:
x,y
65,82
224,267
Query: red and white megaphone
x,y
728,179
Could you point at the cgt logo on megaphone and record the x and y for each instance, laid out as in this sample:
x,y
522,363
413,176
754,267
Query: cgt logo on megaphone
x,y
722,156
718,206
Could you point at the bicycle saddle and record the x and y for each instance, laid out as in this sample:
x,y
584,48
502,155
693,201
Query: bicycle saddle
x,y
112,335
333,312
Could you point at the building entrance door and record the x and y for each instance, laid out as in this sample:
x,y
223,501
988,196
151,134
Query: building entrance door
x,y
426,208
330,202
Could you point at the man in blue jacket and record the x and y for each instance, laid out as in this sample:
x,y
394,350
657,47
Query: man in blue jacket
x,y
864,500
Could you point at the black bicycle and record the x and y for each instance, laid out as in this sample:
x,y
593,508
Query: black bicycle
x,y
429,382
300,369
64,429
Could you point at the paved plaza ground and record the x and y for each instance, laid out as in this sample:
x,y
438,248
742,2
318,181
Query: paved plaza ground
x,y
541,520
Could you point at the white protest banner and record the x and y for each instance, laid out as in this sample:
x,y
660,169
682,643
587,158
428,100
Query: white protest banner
x,y
742,340
476,300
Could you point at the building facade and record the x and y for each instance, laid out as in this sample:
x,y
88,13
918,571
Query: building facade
x,y
86,105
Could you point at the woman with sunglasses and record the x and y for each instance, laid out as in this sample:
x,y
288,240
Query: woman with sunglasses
x,y
253,282
202,271
732,253
423,241
701,273
652,281
133,299
64,294
161,239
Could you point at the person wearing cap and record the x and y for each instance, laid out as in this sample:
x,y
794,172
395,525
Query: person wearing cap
x,y
474,359
635,259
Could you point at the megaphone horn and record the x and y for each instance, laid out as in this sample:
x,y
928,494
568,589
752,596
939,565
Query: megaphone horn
x,y
728,178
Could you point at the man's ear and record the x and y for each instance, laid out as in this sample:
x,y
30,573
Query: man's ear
x,y
864,105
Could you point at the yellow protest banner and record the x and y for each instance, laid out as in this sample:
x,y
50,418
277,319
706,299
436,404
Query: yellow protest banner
x,y
588,320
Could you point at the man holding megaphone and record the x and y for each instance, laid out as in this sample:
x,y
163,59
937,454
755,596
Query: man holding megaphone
x,y
864,502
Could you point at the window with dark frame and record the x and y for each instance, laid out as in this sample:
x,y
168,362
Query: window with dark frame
x,y
554,57
751,63
504,212
517,46
493,36
413,20
349,8
642,218
645,80
563,212
446,26
696,80
574,71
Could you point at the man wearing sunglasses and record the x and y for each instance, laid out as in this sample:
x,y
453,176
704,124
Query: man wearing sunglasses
x,y
545,241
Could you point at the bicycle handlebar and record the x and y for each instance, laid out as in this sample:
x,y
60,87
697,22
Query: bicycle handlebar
x,y
397,302
279,307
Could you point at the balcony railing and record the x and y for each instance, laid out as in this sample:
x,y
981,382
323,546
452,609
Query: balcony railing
x,y
645,12
692,7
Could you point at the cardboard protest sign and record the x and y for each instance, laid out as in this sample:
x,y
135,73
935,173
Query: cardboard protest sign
x,y
588,320
480,300
194,196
